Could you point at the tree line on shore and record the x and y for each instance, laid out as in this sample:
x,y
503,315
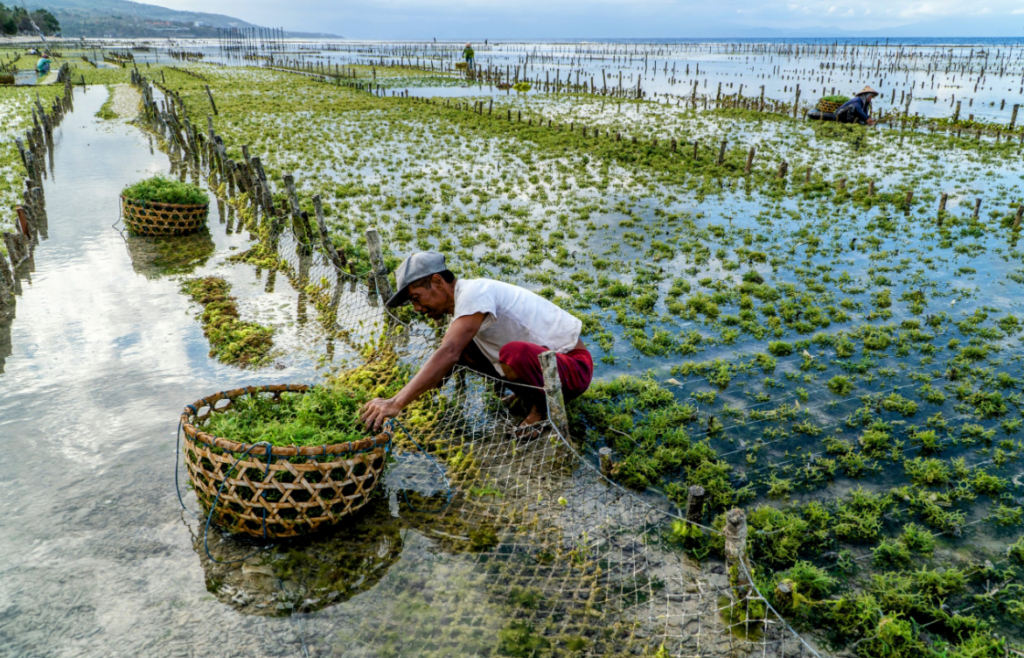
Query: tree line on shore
x,y
16,20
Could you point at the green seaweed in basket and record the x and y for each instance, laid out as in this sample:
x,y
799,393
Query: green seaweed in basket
x,y
835,98
322,416
164,190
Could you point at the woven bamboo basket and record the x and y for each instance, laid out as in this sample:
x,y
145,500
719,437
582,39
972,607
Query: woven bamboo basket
x,y
295,491
828,106
151,218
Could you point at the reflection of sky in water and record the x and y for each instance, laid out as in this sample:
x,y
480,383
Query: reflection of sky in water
x,y
103,355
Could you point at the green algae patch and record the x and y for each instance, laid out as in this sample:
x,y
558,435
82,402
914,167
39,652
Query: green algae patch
x,y
232,341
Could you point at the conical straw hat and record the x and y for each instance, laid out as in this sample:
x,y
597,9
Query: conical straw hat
x,y
867,90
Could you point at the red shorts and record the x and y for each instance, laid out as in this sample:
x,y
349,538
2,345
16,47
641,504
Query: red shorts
x,y
575,368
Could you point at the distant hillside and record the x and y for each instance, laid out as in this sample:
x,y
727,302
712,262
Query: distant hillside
x,y
126,19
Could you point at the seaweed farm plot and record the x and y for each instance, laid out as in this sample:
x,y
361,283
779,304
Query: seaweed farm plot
x,y
804,433
833,347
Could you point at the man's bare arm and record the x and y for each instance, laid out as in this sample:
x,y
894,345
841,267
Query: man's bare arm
x,y
440,363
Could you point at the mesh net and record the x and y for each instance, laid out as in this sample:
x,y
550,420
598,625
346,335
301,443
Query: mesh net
x,y
485,541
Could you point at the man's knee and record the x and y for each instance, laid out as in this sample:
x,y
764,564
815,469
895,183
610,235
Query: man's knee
x,y
514,356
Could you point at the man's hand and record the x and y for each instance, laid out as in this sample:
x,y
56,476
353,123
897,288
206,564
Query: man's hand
x,y
871,122
375,412
437,367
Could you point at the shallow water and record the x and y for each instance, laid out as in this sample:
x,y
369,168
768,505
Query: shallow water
x,y
104,351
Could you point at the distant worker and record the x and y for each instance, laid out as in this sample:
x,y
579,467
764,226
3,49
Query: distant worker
x,y
43,65
498,329
858,108
468,54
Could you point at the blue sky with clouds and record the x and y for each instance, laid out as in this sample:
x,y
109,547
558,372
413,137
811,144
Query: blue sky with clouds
x,y
402,19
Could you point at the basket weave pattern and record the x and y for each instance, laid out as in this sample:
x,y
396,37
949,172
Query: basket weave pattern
x,y
151,218
300,489
828,106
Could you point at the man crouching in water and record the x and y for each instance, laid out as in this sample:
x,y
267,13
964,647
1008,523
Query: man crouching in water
x,y
497,329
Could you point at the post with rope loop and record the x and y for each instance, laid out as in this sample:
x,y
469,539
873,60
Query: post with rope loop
x,y
380,272
553,393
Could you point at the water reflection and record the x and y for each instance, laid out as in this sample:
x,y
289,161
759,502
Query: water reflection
x,y
326,569
159,256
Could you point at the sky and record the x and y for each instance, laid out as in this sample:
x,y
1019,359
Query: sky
x,y
497,19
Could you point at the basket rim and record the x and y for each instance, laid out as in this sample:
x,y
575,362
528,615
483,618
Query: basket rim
x,y
191,411
160,205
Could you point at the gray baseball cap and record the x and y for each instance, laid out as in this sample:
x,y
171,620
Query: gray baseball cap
x,y
414,268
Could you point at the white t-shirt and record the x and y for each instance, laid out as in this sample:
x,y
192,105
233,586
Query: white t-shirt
x,y
514,314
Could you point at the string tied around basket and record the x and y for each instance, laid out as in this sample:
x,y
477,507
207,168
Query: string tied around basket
x,y
209,517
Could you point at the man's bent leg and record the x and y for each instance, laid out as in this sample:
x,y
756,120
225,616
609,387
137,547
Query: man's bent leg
x,y
575,369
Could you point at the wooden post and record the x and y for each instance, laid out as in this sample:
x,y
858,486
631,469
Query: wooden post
x,y
1019,216
907,200
1013,117
784,594
942,202
210,94
380,273
298,222
339,260
977,207
553,394
607,464
871,188
721,152
783,169
695,505
735,532
750,161
6,289
842,184
23,223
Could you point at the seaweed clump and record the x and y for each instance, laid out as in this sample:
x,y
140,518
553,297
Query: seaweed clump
x,y
164,190
645,426
232,340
